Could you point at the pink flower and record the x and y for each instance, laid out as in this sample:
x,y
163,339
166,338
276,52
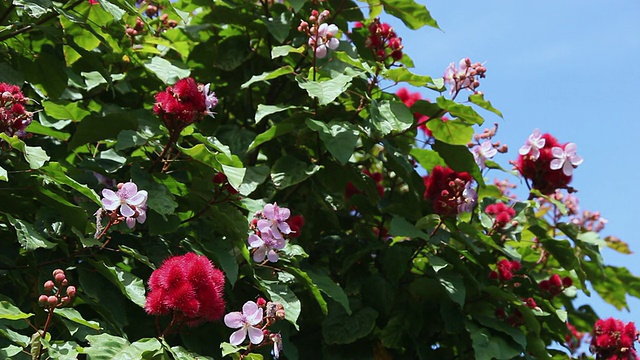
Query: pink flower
x,y
265,246
483,152
325,38
188,285
245,322
130,202
275,218
565,159
532,146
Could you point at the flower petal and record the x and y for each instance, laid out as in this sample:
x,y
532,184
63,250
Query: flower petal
x,y
138,199
128,189
260,254
557,152
556,164
576,160
127,210
238,336
255,241
234,320
273,256
567,169
110,194
111,204
131,222
255,335
252,312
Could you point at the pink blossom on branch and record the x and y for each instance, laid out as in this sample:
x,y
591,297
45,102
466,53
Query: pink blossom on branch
x,y
127,202
245,322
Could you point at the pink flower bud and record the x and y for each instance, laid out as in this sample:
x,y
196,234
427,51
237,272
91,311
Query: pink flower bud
x,y
65,300
49,285
261,302
43,299
59,277
71,291
64,282
57,271
52,300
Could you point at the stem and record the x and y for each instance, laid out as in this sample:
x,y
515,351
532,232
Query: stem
x,y
44,331
6,13
173,137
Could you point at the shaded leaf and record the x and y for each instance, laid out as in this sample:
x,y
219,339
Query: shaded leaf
x,y
340,138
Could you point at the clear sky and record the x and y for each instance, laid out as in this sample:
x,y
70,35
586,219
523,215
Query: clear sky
x,y
568,68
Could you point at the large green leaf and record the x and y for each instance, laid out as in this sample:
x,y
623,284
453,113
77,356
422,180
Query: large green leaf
x,y
340,138
130,285
92,128
329,287
9,311
345,329
412,14
167,71
288,171
28,237
452,132
459,158
464,112
35,156
283,294
55,172
76,317
268,75
388,116
328,90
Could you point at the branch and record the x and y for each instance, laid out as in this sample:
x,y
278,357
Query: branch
x,y
40,21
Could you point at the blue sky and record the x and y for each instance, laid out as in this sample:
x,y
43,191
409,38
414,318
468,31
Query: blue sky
x,y
568,68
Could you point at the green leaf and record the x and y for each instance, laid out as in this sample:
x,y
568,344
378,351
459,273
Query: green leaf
x,y
479,100
167,71
464,112
93,129
62,350
459,158
105,346
35,8
340,138
328,90
76,317
57,173
283,294
228,349
403,74
273,132
401,227
329,287
112,9
266,110
488,346
4,175
388,116
412,14
428,159
306,280
285,50
254,177
28,237
288,171
268,75
10,312
279,25
63,110
35,156
130,285
345,329
451,131
454,286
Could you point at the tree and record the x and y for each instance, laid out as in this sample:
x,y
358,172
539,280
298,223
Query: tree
x,y
233,178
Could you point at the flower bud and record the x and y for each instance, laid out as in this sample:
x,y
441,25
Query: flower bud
x,y
151,10
52,300
261,302
49,285
71,291
280,314
57,271
59,277
43,299
65,300
64,282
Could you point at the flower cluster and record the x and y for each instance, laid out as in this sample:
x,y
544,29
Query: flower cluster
x,y
450,192
547,163
554,285
322,36
614,340
127,204
14,118
254,321
57,292
483,152
189,287
502,213
504,270
184,103
384,42
377,179
464,76
272,226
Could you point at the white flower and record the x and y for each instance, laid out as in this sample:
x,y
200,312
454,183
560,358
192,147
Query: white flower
x,y
565,159
534,143
483,152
